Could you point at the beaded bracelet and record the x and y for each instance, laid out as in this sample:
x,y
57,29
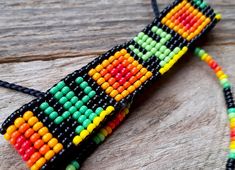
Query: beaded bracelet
x,y
73,117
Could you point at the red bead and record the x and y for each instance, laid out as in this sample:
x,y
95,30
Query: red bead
x,y
120,67
26,145
26,157
30,151
20,140
114,72
128,76
124,71
122,81
118,76
213,64
232,133
111,125
21,151
17,146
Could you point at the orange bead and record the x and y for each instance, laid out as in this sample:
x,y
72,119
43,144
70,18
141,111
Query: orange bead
x,y
116,85
13,141
132,80
107,76
130,67
15,134
126,85
109,67
108,129
30,162
135,70
125,63
35,137
24,127
111,81
29,133
35,157
120,89
115,63
138,75
38,144
103,72
44,149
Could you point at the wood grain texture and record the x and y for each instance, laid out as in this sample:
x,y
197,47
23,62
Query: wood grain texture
x,y
180,124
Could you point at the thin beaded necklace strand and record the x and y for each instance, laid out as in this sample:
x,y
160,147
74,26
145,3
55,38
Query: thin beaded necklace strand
x,y
102,134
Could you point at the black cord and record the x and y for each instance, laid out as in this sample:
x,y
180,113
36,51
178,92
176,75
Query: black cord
x,y
155,7
21,89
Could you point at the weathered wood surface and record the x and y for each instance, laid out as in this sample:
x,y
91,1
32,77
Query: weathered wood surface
x,y
181,124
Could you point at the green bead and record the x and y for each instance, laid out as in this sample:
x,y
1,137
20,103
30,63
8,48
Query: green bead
x,y
226,85
153,43
162,63
136,50
162,49
144,57
144,45
69,95
81,119
231,110
172,54
148,47
140,54
44,105
58,120
149,40
167,59
72,109
149,54
203,5
85,99
53,115
70,167
136,39
176,50
49,110
201,53
65,90
58,95
79,80
96,139
83,109
54,90
79,104
60,85
131,47
76,115
76,164
153,50
86,123
167,52
162,56
196,51
98,110
88,112
157,46
92,116
163,34
159,31
168,37
87,89
163,41
74,99
231,115
63,100
66,114
67,105
145,37
154,29
83,85
140,42
231,155
92,94
79,129
157,54
101,136
140,35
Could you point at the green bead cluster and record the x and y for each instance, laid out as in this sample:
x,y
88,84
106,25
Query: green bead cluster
x,y
153,48
73,105
201,4
74,165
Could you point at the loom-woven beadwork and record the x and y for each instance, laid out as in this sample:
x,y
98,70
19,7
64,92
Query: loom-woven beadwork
x,y
61,128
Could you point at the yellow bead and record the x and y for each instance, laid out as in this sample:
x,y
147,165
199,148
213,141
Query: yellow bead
x,y
58,147
92,72
176,28
100,80
37,126
35,167
130,59
77,139
52,142
161,70
19,121
118,97
114,93
110,109
96,76
131,89
103,114
125,93
143,71
32,120
109,89
232,146
137,84
135,63
91,127
7,136
27,115
117,54
84,133
218,16
126,110
111,59
164,20
98,68
49,154
104,132
11,129
105,85
185,34
123,51
41,162
224,76
105,63
126,56
232,125
97,121
171,25
139,66
43,131
47,137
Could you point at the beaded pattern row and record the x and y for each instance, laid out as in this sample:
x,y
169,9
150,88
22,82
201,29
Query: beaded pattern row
x,y
83,108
